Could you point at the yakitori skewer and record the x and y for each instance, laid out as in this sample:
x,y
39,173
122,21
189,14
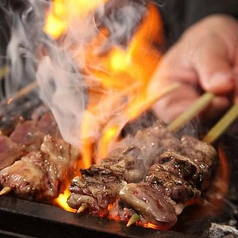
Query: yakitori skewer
x,y
22,92
5,190
222,125
3,71
211,136
134,218
179,122
143,106
197,107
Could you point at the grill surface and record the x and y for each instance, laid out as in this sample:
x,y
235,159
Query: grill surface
x,y
21,218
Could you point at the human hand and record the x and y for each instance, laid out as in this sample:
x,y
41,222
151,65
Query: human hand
x,y
205,59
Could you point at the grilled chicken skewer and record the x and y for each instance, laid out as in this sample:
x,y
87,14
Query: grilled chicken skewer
x,y
171,182
155,163
35,161
125,163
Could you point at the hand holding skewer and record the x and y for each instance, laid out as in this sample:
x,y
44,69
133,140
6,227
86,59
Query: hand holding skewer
x,y
203,60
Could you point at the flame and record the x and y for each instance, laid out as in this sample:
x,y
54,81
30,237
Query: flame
x,y
220,185
63,12
120,91
123,76
61,200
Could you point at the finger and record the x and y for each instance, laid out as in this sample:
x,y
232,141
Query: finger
x,y
172,105
174,67
236,78
214,71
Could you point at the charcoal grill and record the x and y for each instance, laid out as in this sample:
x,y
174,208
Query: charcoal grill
x,y
22,218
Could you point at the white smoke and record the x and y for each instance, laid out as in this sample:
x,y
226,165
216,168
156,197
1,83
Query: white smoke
x,y
60,66
24,21
64,95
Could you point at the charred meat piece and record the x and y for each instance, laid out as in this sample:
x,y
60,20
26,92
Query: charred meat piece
x,y
151,141
41,174
29,134
150,203
26,177
155,176
96,190
47,125
9,152
203,155
60,163
127,163
175,178
99,185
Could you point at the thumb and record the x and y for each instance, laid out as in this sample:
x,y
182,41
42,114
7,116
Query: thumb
x,y
215,74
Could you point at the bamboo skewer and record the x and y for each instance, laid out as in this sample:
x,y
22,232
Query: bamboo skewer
x,y
143,106
4,71
222,125
197,107
212,135
134,218
5,190
29,88
82,208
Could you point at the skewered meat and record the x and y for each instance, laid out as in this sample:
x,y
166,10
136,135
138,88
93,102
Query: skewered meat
x,y
26,137
152,204
9,151
165,173
29,134
40,174
99,185
121,165
35,160
175,179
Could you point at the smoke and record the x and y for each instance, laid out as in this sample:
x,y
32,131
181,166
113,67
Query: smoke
x,y
63,94
61,66
23,22
121,19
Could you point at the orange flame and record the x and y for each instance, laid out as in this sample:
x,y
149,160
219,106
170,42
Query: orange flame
x,y
120,94
123,76
61,200
63,12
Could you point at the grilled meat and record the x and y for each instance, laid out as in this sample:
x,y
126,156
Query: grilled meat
x,y
27,136
35,161
175,179
41,174
125,163
99,185
155,176
9,151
